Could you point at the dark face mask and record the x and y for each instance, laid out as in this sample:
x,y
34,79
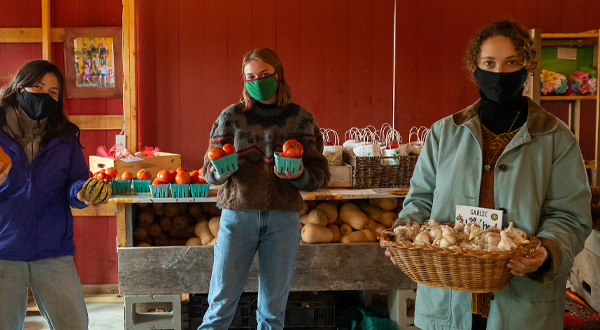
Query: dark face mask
x,y
37,105
500,86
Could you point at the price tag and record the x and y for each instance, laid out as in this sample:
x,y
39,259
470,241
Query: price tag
x,y
131,159
567,53
484,218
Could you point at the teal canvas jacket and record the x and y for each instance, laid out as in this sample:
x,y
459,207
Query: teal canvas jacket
x,y
543,189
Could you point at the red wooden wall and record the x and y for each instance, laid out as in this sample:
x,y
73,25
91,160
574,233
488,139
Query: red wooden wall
x,y
95,237
338,60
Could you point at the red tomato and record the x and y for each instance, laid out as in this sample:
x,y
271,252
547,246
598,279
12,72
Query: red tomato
x,y
126,175
100,175
164,176
144,174
229,149
173,175
112,171
292,149
180,169
215,153
182,178
157,181
201,179
194,176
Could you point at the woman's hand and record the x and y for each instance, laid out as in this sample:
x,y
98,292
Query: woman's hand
x,y
287,174
388,252
523,265
220,177
81,199
4,175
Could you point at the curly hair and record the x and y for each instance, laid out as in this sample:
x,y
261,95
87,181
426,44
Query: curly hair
x,y
515,32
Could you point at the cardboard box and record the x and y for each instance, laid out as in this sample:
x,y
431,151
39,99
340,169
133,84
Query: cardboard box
x,y
341,176
161,161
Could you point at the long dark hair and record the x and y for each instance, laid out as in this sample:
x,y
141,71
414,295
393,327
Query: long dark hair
x,y
28,76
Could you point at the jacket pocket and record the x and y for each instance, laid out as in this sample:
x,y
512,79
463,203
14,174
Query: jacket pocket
x,y
530,290
433,303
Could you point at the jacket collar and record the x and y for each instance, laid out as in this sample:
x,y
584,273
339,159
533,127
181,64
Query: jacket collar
x,y
539,121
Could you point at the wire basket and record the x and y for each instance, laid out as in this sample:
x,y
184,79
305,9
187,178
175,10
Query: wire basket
x,y
381,171
455,269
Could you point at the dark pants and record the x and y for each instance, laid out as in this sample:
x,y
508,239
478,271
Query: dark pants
x,y
479,322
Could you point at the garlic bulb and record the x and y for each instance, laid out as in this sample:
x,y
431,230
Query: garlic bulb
x,y
520,240
433,234
492,239
513,232
475,231
422,239
506,244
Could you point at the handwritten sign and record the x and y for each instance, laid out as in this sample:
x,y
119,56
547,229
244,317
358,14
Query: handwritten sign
x,y
567,53
484,218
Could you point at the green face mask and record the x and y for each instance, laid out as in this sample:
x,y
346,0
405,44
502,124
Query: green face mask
x,y
263,88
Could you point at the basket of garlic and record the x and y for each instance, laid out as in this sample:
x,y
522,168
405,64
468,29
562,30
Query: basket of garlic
x,y
456,256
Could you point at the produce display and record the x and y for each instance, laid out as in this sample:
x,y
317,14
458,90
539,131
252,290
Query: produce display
x,y
216,153
347,222
96,191
165,224
4,158
461,236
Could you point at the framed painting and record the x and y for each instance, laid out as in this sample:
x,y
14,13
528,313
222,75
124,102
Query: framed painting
x,y
93,62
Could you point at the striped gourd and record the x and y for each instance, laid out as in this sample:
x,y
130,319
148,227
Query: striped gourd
x,y
96,191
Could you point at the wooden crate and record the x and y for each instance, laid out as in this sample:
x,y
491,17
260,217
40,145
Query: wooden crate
x,y
161,161
341,176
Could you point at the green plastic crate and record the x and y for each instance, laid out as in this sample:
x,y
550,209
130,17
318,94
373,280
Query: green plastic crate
x,y
199,190
226,164
159,190
180,190
141,185
284,163
120,186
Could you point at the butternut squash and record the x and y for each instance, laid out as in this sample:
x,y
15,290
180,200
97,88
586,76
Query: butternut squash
x,y
336,232
365,235
304,219
304,209
312,233
213,225
345,229
387,204
203,231
212,242
386,218
4,158
330,209
376,227
317,217
352,215
193,241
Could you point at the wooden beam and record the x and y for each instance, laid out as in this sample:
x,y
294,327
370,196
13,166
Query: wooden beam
x,y
121,224
105,210
29,35
6,76
129,73
98,122
46,42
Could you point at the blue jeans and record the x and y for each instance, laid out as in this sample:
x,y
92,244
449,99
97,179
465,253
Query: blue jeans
x,y
276,236
56,289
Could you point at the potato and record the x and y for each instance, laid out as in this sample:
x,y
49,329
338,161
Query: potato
x,y
330,210
166,223
195,210
181,222
317,217
140,233
158,208
145,217
155,230
162,240
171,210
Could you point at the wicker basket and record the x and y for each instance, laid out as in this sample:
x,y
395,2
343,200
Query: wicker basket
x,y
455,269
376,172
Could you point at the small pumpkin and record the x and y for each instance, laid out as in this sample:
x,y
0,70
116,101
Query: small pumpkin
x,y
96,191
4,158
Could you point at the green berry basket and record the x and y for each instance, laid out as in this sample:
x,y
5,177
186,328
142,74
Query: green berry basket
x,y
159,190
180,190
226,164
285,163
199,190
140,186
120,186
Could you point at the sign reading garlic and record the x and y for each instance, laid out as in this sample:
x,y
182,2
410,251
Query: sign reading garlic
x,y
484,218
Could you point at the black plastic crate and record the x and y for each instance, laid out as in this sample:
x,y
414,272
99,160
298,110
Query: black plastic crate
x,y
310,310
244,317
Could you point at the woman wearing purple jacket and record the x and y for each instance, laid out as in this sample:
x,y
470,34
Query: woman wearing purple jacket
x,y
36,191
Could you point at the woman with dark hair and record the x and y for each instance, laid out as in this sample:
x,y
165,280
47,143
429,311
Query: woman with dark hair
x,y
506,153
37,190
260,206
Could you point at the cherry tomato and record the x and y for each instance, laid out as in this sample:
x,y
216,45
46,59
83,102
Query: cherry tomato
x,y
144,174
292,149
229,149
215,153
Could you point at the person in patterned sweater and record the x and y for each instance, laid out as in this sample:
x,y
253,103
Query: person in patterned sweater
x,y
260,206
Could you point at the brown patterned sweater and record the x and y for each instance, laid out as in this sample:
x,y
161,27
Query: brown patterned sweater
x,y
257,134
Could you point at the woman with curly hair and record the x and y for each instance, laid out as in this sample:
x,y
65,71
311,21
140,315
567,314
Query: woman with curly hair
x,y
504,152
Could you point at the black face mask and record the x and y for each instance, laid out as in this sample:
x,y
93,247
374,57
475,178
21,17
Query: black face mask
x,y
500,86
37,105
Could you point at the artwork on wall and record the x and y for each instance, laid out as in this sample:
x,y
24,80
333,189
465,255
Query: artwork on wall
x,y
93,62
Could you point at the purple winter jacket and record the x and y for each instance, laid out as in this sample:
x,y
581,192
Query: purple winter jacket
x,y
35,219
